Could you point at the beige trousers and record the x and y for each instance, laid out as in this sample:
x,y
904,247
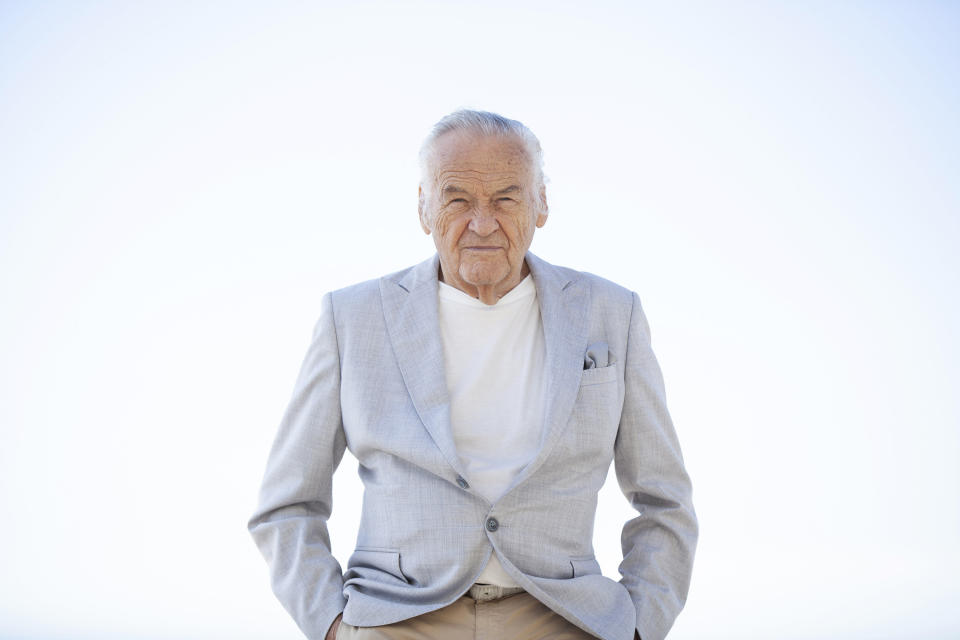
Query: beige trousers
x,y
516,617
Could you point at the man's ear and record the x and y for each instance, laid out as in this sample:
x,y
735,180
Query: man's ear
x,y
543,209
422,210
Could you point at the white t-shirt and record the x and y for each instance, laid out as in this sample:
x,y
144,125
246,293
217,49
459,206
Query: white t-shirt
x,y
495,359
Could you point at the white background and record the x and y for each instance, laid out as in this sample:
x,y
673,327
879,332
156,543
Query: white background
x,y
181,182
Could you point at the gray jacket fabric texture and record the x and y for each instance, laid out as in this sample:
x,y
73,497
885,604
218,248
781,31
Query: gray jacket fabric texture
x,y
373,381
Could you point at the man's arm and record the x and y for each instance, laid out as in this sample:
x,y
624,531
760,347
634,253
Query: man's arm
x,y
290,523
658,544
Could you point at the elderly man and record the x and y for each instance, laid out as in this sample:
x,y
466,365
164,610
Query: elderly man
x,y
484,393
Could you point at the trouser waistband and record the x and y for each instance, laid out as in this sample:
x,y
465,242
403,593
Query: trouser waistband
x,y
488,592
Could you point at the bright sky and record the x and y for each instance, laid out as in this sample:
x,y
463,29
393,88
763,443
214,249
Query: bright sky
x,y
181,182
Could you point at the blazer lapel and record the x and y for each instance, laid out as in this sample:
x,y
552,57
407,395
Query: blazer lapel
x,y
563,311
412,320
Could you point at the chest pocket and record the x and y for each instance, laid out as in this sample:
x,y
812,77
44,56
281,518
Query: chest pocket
x,y
598,375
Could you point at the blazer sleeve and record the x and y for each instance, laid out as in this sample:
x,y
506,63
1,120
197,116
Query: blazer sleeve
x,y
290,523
659,543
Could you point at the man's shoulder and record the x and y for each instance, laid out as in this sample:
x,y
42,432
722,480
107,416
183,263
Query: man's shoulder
x,y
607,297
356,293
602,286
599,287
356,297
362,294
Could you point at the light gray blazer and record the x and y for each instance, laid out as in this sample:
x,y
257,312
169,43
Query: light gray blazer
x,y
373,381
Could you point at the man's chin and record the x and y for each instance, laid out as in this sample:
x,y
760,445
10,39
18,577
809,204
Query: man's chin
x,y
484,275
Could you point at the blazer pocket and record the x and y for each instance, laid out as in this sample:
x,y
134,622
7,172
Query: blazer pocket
x,y
599,375
584,566
385,560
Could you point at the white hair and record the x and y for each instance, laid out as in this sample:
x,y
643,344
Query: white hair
x,y
484,123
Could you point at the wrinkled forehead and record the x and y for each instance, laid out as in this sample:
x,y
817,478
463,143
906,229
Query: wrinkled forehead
x,y
479,158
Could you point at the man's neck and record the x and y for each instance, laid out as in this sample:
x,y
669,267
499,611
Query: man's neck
x,y
489,293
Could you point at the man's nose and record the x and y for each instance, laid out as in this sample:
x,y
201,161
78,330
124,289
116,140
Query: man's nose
x,y
483,222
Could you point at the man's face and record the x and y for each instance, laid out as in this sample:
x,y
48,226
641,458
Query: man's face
x,y
482,205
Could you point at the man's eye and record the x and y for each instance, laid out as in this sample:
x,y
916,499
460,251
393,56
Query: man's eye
x,y
505,200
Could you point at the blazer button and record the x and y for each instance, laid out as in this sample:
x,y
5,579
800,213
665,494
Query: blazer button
x,y
492,524
462,483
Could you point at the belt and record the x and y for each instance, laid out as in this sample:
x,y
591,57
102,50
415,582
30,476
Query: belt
x,y
488,592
